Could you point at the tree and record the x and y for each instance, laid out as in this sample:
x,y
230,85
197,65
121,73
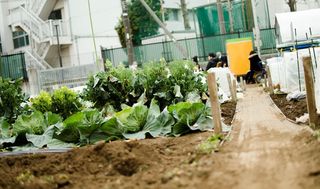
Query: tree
x,y
185,14
142,24
292,4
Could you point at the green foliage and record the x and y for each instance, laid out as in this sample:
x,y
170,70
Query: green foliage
x,y
11,97
142,24
167,84
211,144
115,87
157,124
32,124
189,116
133,118
91,121
4,128
184,77
43,102
123,95
154,77
65,102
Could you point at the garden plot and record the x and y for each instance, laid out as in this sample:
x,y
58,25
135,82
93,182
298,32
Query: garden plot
x,y
287,75
261,149
158,100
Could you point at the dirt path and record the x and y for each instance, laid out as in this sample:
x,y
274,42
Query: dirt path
x,y
265,151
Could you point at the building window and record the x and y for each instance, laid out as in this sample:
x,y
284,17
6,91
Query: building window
x,y
55,15
173,15
20,39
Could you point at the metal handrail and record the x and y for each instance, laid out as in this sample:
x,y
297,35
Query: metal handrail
x,y
40,62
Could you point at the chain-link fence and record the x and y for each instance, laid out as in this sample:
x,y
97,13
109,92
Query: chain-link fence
x,y
199,46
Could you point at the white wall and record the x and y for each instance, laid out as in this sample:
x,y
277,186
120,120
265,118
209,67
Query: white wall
x,y
279,6
190,3
5,31
105,15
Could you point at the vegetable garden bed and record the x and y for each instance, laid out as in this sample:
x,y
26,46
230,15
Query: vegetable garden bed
x,y
148,163
291,109
166,104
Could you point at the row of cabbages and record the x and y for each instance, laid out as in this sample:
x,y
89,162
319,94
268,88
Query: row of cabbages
x,y
159,99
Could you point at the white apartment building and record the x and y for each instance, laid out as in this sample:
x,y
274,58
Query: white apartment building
x,y
36,26
32,25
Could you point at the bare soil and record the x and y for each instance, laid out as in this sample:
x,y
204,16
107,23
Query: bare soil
x,y
228,110
264,151
119,164
291,109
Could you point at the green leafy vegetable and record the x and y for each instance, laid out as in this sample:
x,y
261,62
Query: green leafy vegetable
x,y
11,97
90,122
188,117
157,124
65,102
31,124
42,103
5,132
133,118
41,140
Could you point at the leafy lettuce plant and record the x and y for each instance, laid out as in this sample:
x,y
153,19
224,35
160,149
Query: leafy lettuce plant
x,y
190,116
157,123
185,80
11,97
115,87
42,103
65,102
32,124
132,119
154,77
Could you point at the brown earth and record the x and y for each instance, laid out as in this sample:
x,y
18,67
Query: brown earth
x,y
264,151
291,109
106,165
228,110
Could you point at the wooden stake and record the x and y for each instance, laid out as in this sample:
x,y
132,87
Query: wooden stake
x,y
232,94
215,105
311,101
234,86
271,89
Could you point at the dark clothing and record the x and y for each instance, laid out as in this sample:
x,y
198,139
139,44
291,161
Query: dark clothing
x,y
249,77
255,63
224,61
212,64
255,66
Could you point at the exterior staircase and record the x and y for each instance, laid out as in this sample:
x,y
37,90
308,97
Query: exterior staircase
x,y
42,8
42,34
